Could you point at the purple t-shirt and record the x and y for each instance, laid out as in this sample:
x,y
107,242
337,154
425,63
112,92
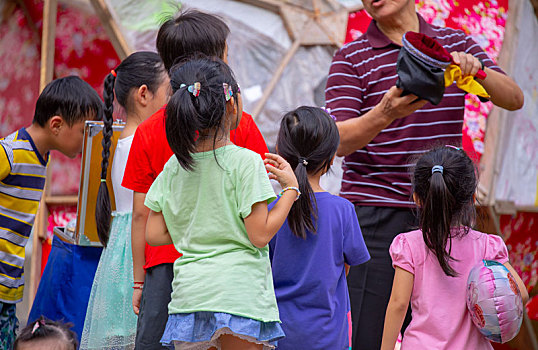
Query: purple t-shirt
x,y
310,278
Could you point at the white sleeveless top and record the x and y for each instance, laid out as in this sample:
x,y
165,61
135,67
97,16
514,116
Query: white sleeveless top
x,y
124,196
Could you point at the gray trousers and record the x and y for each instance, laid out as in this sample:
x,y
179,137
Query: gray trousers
x,y
153,314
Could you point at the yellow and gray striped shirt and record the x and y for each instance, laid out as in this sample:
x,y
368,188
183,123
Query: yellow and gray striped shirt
x,y
22,178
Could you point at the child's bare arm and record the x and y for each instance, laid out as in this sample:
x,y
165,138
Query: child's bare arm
x,y
398,304
138,244
262,224
156,230
519,282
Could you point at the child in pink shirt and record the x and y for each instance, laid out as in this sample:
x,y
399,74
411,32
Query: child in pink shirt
x,y
432,264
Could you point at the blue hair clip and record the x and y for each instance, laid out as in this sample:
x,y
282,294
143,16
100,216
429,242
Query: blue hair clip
x,y
228,92
194,89
437,169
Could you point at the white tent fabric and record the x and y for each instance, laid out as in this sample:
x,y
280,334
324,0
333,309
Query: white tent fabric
x,y
517,180
257,43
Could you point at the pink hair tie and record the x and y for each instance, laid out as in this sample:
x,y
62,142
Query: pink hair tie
x,y
451,146
113,72
37,324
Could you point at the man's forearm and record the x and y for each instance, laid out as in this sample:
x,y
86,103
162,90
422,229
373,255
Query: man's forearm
x,y
504,92
355,133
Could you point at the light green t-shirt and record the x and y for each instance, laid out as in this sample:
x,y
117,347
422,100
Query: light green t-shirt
x,y
220,270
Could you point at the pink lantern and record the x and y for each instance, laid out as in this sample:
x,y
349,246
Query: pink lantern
x,y
494,301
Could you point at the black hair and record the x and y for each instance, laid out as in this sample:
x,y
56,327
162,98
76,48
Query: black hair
x,y
191,31
140,68
43,329
189,116
445,199
308,140
71,98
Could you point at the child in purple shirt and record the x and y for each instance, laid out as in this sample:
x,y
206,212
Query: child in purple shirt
x,y
320,237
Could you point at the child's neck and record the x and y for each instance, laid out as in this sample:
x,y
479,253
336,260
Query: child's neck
x,y
314,181
41,139
207,142
131,123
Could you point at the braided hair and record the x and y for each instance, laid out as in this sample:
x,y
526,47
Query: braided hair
x,y
140,68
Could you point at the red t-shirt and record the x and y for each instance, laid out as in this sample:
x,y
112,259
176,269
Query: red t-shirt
x,y
150,152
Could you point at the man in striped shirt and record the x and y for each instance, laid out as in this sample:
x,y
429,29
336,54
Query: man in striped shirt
x,y
61,111
380,133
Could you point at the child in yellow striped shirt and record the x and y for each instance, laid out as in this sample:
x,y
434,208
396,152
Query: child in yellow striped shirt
x,y
60,114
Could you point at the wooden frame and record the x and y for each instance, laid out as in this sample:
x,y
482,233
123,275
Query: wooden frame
x,y
306,26
46,75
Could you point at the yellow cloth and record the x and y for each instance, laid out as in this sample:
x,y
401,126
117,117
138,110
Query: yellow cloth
x,y
467,84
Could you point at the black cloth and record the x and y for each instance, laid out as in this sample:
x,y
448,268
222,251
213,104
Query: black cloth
x,y
153,314
420,78
370,284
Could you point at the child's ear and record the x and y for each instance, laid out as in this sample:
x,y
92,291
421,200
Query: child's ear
x,y
143,95
55,124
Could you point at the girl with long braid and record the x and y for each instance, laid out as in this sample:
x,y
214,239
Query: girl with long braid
x,y
141,86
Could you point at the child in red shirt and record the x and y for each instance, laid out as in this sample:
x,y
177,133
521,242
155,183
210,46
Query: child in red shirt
x,y
152,266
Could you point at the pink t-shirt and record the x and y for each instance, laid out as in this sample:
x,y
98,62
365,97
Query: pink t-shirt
x,y
438,302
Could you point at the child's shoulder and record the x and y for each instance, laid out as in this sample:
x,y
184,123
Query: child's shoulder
x,y
413,237
336,201
241,156
156,122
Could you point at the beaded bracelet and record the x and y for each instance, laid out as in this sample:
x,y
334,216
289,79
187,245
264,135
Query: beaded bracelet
x,y
138,286
291,188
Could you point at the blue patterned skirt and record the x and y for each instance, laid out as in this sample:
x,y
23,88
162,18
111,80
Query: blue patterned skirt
x,y
110,320
201,330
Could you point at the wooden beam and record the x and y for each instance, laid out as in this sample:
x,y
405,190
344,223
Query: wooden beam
x,y
47,43
66,200
112,29
46,75
271,5
276,77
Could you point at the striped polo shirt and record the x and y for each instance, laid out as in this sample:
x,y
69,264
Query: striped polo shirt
x,y
22,178
361,73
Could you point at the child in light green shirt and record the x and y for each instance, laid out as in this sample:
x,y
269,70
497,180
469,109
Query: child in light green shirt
x,y
210,201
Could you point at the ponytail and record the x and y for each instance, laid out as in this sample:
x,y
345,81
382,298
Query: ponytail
x,y
308,140
103,209
436,221
181,127
303,213
198,106
444,183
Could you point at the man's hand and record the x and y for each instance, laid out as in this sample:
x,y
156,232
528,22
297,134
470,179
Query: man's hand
x,y
395,106
468,64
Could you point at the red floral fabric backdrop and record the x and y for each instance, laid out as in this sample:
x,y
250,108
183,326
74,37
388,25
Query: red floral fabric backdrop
x,y
82,48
